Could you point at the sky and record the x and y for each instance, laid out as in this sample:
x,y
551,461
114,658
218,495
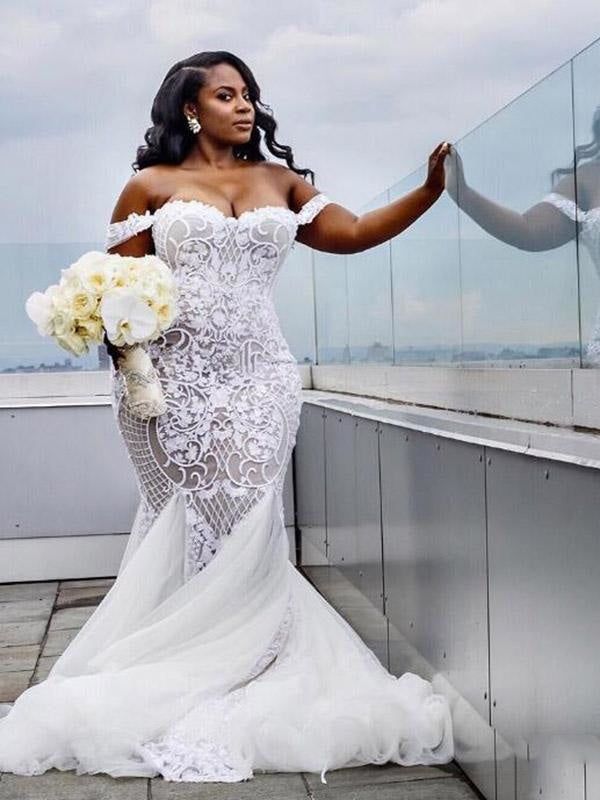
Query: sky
x,y
361,97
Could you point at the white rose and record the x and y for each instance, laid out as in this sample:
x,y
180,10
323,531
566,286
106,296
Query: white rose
x,y
82,303
73,343
62,317
93,270
91,330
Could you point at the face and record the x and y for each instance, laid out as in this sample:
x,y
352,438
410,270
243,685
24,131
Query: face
x,y
222,102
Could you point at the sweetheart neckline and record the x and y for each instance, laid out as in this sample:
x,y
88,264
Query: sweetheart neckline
x,y
224,216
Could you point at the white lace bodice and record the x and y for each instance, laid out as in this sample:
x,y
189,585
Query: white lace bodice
x,y
230,380
589,235
589,223
226,268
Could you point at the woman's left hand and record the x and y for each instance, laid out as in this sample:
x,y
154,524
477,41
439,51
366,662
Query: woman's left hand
x,y
436,180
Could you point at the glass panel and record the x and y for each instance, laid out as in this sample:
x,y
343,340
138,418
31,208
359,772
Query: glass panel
x,y
425,279
370,299
518,305
586,69
331,292
30,267
294,303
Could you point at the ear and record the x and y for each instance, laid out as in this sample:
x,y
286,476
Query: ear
x,y
189,110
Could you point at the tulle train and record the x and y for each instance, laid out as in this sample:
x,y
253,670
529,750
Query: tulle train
x,y
243,667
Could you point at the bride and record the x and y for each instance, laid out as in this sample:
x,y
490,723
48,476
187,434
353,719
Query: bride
x,y
212,656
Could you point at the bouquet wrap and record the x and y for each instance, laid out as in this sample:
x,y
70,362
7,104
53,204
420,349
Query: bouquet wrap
x,y
144,392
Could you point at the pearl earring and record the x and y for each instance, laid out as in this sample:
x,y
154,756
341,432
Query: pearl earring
x,y
193,124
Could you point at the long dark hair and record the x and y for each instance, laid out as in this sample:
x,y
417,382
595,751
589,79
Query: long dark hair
x,y
584,151
169,139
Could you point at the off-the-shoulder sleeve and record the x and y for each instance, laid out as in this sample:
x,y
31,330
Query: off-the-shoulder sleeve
x,y
311,208
565,205
117,232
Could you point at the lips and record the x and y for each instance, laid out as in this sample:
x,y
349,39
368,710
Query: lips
x,y
242,124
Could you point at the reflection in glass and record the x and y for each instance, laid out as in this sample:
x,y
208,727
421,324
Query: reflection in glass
x,y
586,95
519,271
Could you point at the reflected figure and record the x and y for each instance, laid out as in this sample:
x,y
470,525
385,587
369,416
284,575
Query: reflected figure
x,y
572,208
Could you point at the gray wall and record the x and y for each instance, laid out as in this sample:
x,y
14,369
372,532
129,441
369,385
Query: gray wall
x,y
486,565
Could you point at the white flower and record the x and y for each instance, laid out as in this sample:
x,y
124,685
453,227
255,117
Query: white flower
x,y
63,320
73,343
40,310
90,329
127,318
82,303
94,271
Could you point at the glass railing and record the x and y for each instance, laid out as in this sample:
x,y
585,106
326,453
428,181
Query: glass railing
x,y
475,281
29,267
495,273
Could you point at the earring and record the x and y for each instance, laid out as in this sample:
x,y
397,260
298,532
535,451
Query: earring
x,y
193,124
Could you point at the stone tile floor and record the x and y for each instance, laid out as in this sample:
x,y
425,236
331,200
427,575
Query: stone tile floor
x,y
37,622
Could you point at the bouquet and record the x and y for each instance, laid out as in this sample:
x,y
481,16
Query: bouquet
x,y
123,301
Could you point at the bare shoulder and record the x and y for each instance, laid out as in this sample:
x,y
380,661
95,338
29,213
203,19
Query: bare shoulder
x,y
296,188
588,175
135,196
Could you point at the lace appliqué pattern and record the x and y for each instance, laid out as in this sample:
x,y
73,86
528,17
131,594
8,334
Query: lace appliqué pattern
x,y
589,234
229,378
208,758
122,230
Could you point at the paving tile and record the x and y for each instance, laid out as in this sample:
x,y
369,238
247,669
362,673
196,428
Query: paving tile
x,y
81,596
270,786
381,773
87,582
26,610
21,657
57,641
442,789
67,785
17,633
10,592
71,617
12,684
43,668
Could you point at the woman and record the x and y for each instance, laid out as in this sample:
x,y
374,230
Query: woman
x,y
212,656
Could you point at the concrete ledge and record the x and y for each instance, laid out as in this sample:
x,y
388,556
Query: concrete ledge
x,y
529,438
565,397
71,388
68,557
60,557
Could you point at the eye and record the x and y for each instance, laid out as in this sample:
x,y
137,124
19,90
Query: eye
x,y
226,95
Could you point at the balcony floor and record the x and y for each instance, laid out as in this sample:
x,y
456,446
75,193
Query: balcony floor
x,y
37,622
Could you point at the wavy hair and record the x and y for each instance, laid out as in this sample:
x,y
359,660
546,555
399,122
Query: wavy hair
x,y
591,150
169,140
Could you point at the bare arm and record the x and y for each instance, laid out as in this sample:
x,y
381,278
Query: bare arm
x,y
337,230
135,197
540,227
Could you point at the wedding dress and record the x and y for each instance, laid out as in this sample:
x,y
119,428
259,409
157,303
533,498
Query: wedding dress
x,y
589,233
212,656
